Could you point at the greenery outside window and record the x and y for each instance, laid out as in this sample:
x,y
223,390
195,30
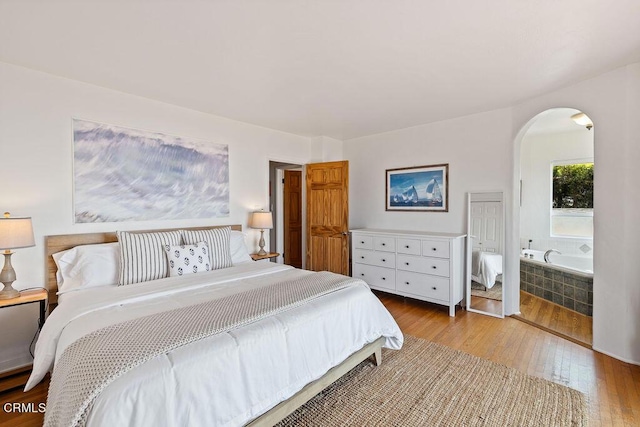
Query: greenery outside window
x,y
572,200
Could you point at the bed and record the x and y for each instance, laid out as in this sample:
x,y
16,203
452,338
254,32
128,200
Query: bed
x,y
255,372
486,268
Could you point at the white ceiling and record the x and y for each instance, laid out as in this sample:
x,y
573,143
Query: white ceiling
x,y
337,68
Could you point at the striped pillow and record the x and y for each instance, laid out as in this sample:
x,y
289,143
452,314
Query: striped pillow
x,y
218,240
142,256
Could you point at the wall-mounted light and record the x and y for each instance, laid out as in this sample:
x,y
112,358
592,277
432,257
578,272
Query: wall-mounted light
x,y
583,120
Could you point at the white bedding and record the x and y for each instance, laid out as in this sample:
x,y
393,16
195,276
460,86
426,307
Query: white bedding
x,y
227,379
485,268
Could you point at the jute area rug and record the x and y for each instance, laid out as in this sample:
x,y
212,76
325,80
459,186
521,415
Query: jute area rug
x,y
495,292
427,384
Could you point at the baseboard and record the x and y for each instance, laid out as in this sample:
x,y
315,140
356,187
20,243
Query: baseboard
x,y
14,378
615,356
7,366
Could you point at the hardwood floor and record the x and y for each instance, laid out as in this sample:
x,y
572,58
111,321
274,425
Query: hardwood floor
x,y
556,319
486,304
612,387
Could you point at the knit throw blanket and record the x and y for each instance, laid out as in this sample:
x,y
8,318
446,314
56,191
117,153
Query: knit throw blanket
x,y
94,361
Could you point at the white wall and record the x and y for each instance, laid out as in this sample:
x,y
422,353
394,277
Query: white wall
x,y
476,148
36,149
325,149
537,154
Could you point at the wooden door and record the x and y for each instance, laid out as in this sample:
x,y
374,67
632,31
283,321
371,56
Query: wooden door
x,y
328,217
293,218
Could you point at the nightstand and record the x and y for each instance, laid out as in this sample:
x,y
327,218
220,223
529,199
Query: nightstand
x,y
257,257
27,297
18,377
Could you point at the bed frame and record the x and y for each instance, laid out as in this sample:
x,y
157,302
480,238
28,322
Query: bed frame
x,y
63,242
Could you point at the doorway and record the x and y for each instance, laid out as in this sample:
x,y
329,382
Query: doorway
x,y
286,204
556,224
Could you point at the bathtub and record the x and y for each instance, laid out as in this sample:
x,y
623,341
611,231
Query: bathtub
x,y
566,280
577,264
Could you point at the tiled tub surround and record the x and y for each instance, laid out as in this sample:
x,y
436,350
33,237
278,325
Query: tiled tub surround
x,y
569,289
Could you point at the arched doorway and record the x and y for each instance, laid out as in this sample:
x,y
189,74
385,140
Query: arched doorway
x,y
555,208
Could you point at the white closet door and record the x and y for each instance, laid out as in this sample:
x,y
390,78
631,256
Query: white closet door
x,y
486,218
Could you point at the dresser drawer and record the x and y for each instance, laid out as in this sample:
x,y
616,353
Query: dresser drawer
x,y
362,242
379,258
376,277
423,285
409,246
387,244
435,248
420,264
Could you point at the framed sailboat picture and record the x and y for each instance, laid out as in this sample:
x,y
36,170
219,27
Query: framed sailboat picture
x,y
418,189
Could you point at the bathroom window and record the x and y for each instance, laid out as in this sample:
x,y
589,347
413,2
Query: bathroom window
x,y
572,200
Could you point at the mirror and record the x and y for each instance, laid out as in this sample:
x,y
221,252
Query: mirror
x,y
485,253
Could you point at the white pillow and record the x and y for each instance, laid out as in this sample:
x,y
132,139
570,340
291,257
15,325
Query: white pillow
x,y
88,266
239,251
188,259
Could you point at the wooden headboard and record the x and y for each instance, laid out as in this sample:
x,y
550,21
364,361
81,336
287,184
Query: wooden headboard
x,y
63,242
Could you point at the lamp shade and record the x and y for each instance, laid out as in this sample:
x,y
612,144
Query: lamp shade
x,y
16,233
262,220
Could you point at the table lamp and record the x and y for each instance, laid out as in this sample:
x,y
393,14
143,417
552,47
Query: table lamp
x,y
15,233
263,221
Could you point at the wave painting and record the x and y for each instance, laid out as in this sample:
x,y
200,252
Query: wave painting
x,y
123,174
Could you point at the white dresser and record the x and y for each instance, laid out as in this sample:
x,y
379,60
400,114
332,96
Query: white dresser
x,y
424,265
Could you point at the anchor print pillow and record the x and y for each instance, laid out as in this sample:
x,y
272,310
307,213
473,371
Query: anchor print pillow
x,y
187,259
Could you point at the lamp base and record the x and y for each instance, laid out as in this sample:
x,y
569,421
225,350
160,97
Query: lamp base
x,y
7,277
8,292
261,243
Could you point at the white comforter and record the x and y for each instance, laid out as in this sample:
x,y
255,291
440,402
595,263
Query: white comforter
x,y
226,379
486,267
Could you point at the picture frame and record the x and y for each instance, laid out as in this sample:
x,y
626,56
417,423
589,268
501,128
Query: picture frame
x,y
125,174
417,189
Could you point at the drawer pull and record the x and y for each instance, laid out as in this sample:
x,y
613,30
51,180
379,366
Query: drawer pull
x,y
384,278
384,244
407,246
362,257
406,283
406,263
434,267
384,260
362,242
362,274
434,249
434,288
